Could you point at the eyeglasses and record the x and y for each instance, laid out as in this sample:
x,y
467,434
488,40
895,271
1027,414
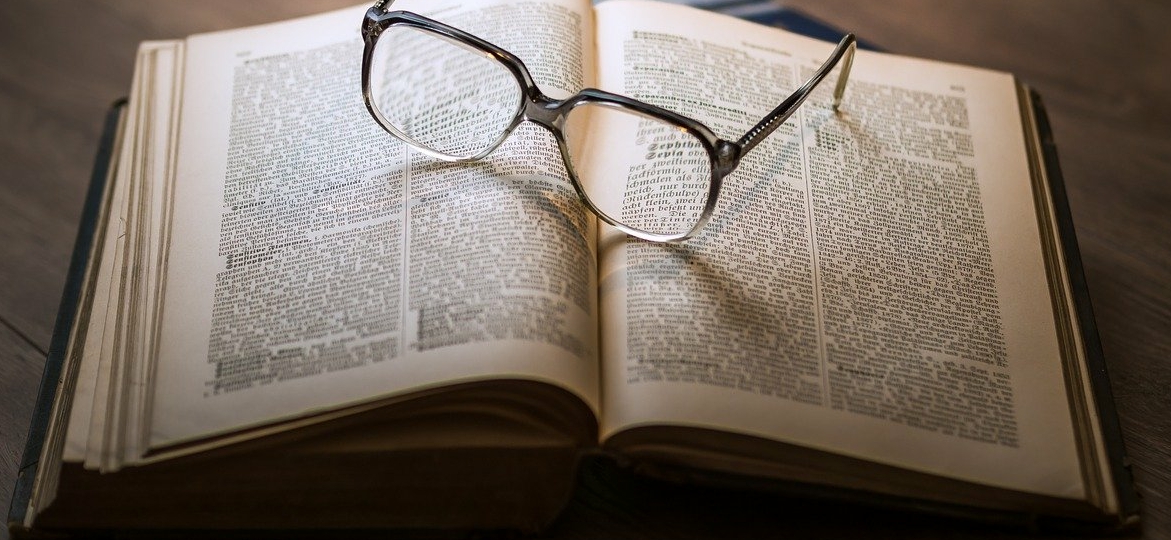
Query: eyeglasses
x,y
455,97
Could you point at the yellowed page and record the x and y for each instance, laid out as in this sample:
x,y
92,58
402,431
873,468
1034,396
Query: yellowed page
x,y
152,221
132,231
112,278
316,263
871,282
84,409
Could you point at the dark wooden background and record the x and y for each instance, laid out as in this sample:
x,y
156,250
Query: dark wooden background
x,y
1103,68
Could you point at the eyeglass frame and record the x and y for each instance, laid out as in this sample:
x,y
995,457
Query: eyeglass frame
x,y
540,109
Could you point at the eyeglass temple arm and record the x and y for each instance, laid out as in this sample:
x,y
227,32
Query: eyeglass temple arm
x,y
786,109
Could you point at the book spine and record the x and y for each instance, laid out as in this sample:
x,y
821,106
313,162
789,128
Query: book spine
x,y
1095,360
63,327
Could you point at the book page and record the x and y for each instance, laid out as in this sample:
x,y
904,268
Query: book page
x,y
316,262
871,282
87,407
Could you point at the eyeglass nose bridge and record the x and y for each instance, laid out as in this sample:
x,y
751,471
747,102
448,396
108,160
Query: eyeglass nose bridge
x,y
543,110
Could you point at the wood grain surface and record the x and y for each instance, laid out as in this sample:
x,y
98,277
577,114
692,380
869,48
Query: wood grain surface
x,y
1101,67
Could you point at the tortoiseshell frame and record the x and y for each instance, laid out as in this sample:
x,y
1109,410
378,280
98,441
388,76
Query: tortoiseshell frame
x,y
550,113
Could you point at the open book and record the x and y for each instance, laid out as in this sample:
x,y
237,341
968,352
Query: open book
x,y
290,320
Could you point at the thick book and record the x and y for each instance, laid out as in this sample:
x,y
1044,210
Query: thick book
x,y
281,318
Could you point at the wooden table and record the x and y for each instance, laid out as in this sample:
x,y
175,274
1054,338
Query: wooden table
x,y
1102,68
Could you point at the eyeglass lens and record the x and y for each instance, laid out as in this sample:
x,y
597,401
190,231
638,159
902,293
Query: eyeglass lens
x,y
655,177
441,95
658,175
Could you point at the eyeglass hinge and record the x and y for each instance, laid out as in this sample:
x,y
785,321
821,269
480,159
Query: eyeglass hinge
x,y
727,154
